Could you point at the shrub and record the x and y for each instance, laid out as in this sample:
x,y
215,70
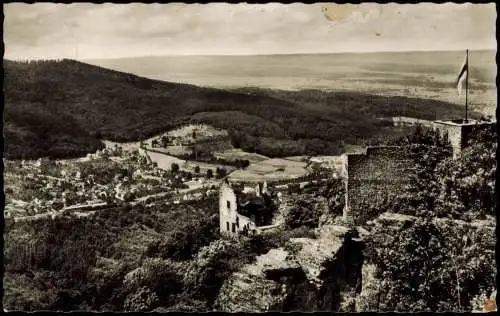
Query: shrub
x,y
174,168
303,213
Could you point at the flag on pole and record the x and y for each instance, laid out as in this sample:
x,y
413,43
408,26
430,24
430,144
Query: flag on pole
x,y
462,75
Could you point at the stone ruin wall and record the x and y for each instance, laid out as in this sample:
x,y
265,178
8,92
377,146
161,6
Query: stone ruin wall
x,y
459,135
383,171
380,173
230,221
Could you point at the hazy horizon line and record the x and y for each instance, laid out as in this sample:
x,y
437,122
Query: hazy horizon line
x,y
258,54
303,53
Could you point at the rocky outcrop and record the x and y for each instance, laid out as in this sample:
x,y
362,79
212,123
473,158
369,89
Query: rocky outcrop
x,y
263,286
333,263
308,274
314,253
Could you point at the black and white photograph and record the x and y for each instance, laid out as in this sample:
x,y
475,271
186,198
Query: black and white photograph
x,y
252,158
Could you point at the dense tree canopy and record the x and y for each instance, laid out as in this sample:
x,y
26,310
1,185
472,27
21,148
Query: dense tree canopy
x,y
84,263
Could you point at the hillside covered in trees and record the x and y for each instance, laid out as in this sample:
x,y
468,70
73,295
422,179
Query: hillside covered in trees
x,y
63,109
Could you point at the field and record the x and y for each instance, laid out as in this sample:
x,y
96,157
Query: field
x,y
270,170
204,167
165,161
233,154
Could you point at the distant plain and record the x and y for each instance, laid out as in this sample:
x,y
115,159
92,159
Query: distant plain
x,y
429,75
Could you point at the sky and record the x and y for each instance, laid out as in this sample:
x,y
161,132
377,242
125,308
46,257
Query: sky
x,y
86,30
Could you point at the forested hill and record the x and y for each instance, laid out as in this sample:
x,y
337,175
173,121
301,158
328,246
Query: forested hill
x,y
62,109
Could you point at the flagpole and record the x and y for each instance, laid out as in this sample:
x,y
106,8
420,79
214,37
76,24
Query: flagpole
x,y
466,84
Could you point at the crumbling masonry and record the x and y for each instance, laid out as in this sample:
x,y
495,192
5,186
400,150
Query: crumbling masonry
x,y
382,172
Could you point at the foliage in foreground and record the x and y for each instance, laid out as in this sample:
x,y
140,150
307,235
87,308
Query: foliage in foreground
x,y
81,263
440,262
429,266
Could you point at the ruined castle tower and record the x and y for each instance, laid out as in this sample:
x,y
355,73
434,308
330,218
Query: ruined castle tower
x,y
230,221
460,132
